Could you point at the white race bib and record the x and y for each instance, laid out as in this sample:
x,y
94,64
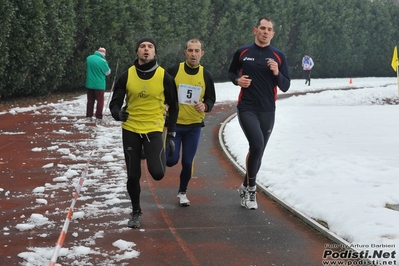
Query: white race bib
x,y
188,94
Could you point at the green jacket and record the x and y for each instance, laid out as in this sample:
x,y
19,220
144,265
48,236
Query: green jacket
x,y
96,71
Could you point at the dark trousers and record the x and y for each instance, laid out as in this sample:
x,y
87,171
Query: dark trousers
x,y
257,128
153,145
92,97
306,75
188,139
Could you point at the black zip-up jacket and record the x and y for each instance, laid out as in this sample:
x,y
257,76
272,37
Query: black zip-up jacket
x,y
252,60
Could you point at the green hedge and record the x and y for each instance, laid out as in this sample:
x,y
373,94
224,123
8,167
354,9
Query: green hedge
x,y
44,43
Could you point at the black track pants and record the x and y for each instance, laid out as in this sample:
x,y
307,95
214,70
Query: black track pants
x,y
257,127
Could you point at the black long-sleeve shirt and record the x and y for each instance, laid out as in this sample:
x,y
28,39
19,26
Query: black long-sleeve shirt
x,y
252,60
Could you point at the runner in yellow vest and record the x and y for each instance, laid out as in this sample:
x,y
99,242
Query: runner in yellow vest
x,y
196,93
147,87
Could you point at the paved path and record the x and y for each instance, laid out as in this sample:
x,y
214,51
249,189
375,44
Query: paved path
x,y
214,230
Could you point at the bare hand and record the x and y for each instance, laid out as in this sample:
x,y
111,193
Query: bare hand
x,y
244,81
165,109
273,66
199,107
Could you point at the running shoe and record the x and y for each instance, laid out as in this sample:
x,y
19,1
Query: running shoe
x,y
251,203
134,222
183,199
243,195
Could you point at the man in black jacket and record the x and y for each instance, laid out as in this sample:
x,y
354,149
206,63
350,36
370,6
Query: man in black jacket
x,y
259,69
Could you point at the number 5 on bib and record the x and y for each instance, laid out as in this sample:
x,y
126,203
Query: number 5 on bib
x,y
189,94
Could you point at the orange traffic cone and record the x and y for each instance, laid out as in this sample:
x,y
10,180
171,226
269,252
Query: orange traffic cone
x,y
350,81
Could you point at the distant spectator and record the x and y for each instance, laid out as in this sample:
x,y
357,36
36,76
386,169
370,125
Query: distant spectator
x,y
96,71
307,65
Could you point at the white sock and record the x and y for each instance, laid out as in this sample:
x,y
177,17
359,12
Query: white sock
x,y
252,188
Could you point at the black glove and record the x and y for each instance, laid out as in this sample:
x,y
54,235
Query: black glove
x,y
123,115
166,121
170,143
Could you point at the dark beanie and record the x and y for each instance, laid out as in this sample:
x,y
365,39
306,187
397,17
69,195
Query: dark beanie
x,y
146,39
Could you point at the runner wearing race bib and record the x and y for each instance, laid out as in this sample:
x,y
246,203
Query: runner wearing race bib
x,y
196,93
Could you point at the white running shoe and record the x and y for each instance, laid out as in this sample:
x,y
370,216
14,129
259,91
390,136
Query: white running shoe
x,y
243,195
251,203
183,199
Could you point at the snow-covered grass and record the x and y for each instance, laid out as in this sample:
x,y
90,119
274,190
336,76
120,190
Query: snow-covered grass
x,y
332,155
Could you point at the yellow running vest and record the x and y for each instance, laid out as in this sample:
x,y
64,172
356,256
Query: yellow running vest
x,y
189,87
145,100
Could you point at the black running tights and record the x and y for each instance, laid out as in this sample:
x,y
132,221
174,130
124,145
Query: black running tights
x,y
153,146
257,127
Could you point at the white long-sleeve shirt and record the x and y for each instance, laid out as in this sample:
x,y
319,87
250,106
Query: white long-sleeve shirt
x,y
307,63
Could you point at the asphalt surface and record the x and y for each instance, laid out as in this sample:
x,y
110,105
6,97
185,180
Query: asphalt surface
x,y
214,230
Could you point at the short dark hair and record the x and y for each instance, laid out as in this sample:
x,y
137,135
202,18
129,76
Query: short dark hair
x,y
194,40
263,18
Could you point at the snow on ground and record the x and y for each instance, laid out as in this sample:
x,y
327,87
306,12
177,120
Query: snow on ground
x,y
333,155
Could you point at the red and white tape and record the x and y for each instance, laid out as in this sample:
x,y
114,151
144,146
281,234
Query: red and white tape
x,y
62,236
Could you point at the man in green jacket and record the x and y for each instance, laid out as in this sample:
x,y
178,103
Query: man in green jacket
x,y
96,71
